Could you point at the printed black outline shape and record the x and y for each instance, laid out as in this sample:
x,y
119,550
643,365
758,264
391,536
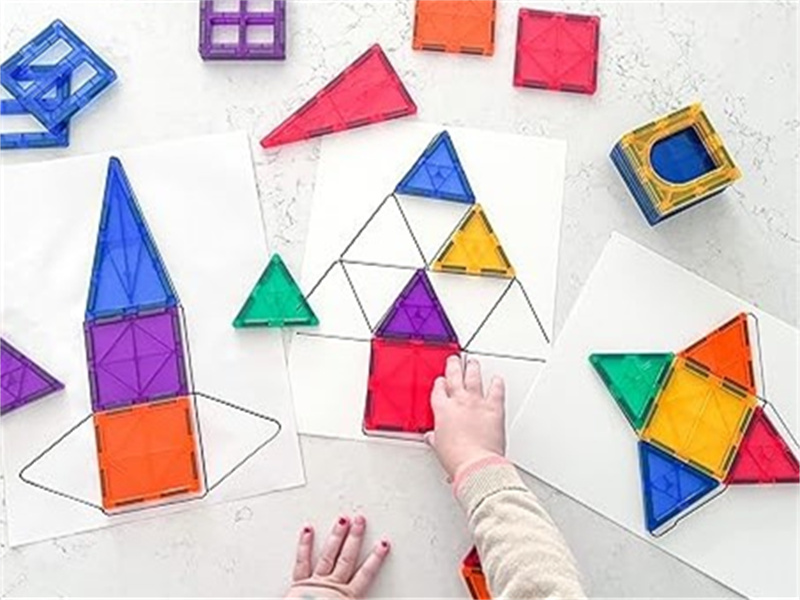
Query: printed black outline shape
x,y
763,378
514,280
151,505
329,336
429,265
505,356
343,262
364,263
410,229
355,295
338,262
369,220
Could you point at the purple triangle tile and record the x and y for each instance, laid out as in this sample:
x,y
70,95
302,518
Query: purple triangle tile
x,y
417,313
21,380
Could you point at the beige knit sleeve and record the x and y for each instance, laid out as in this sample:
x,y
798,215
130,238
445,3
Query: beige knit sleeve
x,y
522,552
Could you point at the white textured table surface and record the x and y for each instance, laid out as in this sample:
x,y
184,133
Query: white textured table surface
x,y
739,59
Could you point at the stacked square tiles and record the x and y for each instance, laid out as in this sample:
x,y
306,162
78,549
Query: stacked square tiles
x,y
138,366
674,163
52,78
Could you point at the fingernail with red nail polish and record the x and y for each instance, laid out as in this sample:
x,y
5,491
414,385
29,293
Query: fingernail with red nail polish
x,y
306,530
342,521
385,543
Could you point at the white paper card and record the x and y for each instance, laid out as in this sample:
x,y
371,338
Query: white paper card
x,y
200,201
365,243
572,435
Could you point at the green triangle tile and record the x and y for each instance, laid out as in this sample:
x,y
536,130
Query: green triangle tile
x,y
276,301
634,381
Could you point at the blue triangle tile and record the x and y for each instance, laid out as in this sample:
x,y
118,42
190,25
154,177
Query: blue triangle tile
x,y
128,274
670,486
438,174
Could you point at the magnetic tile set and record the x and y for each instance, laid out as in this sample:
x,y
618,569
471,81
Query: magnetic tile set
x,y
701,419
412,341
698,416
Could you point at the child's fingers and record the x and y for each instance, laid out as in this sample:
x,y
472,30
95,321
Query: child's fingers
x,y
348,558
302,563
497,390
453,374
472,377
439,391
332,547
369,569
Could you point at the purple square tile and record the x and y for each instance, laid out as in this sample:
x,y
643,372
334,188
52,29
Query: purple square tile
x,y
242,33
136,358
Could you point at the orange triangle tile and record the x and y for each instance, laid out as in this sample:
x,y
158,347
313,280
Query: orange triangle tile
x,y
727,353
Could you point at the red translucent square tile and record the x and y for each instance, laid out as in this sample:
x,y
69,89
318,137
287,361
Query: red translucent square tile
x,y
557,51
401,378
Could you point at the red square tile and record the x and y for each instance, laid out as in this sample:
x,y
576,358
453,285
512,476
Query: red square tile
x,y
557,51
401,378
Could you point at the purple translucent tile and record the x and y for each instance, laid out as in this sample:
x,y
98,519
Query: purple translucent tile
x,y
247,22
136,358
417,314
22,380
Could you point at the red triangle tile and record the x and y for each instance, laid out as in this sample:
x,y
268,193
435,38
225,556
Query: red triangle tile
x,y
763,456
368,91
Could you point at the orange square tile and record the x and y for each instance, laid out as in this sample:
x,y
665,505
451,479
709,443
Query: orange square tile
x,y
147,452
465,26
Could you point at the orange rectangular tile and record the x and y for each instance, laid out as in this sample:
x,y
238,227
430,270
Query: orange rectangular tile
x,y
464,26
473,576
147,453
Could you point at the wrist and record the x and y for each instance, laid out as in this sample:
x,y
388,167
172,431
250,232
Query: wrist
x,y
316,589
475,463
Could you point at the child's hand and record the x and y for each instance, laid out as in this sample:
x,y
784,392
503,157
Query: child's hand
x,y
337,573
469,425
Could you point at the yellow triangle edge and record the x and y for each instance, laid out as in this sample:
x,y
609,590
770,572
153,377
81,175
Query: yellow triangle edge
x,y
473,249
